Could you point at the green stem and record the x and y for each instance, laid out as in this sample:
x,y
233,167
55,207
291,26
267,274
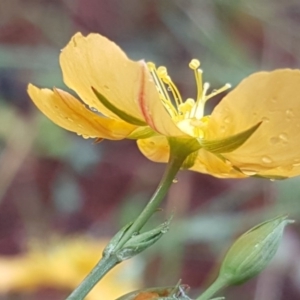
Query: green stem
x,y
177,157
103,266
218,284
163,187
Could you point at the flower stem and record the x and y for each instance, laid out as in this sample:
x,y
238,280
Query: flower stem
x,y
177,157
163,187
217,285
103,266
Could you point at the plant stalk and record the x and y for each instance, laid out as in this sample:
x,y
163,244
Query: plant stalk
x,y
107,263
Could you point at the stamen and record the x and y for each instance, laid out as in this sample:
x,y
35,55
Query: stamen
x,y
218,91
194,65
164,96
186,107
172,87
198,110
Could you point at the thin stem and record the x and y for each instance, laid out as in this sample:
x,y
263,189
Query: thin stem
x,y
217,285
107,263
163,187
103,266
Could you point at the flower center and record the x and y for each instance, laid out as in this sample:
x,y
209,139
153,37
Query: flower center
x,y
188,114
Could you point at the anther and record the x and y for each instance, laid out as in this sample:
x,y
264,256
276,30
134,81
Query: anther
x,y
194,64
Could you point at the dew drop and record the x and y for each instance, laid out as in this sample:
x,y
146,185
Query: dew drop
x,y
274,100
93,109
227,120
274,140
265,119
175,180
248,172
266,159
289,113
284,137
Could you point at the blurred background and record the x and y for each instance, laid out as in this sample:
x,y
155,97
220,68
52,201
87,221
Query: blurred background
x,y
62,197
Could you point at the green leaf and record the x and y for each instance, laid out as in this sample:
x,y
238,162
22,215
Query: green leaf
x,y
228,144
120,113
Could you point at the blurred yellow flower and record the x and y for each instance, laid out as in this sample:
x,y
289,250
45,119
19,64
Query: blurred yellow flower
x,y
63,265
253,131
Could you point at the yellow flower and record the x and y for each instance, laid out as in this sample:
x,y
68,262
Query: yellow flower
x,y
63,264
253,131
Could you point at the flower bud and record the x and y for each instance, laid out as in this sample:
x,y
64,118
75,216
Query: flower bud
x,y
253,251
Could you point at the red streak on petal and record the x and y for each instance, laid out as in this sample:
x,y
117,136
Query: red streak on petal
x,y
142,98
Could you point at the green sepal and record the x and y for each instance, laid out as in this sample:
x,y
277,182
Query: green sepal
x,y
181,146
113,243
143,132
142,241
190,160
253,251
120,113
271,177
228,144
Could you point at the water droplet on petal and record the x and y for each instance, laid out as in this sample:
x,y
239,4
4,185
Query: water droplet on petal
x,y
266,159
227,120
284,137
248,172
289,113
93,109
274,140
265,119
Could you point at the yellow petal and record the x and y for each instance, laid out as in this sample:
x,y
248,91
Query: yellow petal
x,y
274,99
66,111
94,61
155,148
209,163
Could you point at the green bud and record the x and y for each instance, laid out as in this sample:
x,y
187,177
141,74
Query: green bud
x,y
253,251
